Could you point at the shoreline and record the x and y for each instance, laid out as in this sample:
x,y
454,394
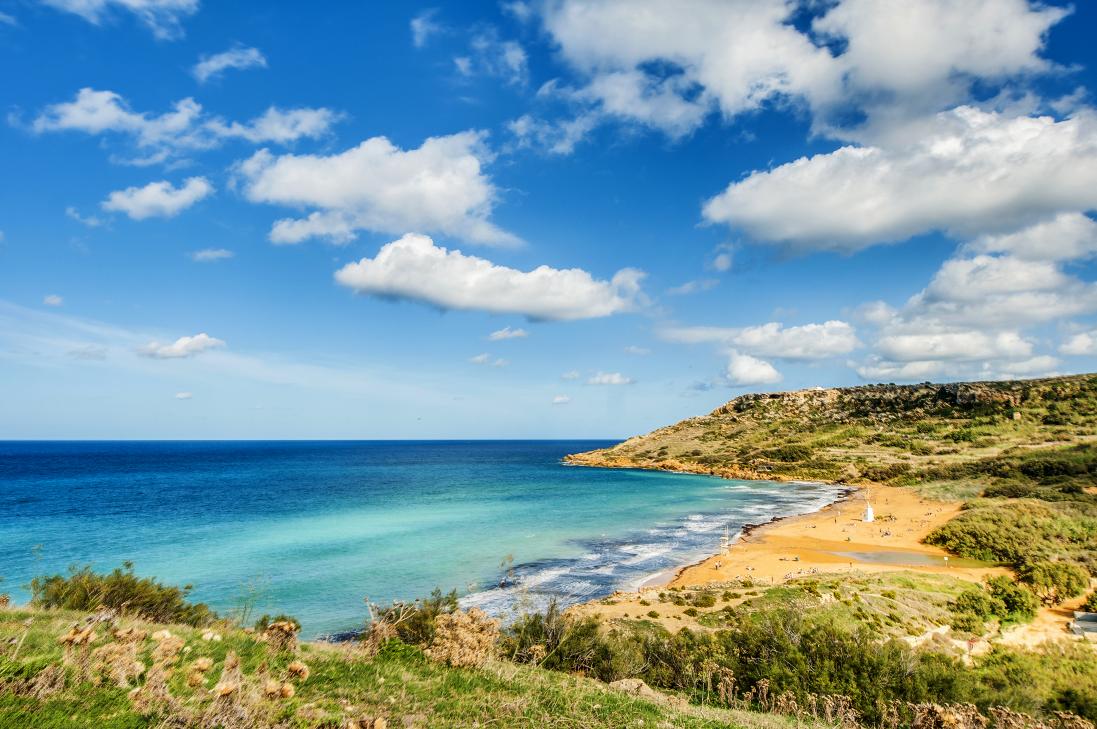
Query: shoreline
x,y
833,538
751,529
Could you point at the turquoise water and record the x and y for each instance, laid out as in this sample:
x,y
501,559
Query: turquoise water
x,y
314,528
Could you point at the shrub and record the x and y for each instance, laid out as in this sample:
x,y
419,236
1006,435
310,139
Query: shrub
x,y
1090,605
266,621
1018,602
1054,582
414,622
121,590
789,453
463,639
704,600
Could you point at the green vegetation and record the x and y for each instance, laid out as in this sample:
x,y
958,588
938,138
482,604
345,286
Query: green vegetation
x,y
338,684
878,433
1002,600
121,590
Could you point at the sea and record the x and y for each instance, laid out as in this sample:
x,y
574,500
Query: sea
x,y
317,529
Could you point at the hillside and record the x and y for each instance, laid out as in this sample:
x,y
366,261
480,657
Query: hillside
x,y
867,433
129,673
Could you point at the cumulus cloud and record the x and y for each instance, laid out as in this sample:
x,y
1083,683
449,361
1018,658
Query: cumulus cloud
x,y
158,199
439,187
184,128
184,395
638,351
669,65
570,375
414,268
954,345
971,318
163,17
211,255
53,300
235,58
1083,343
1065,237
969,172
280,126
181,347
561,400
609,378
507,333
805,342
746,370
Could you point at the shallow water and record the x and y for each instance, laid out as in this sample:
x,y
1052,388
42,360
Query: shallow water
x,y
313,528
916,559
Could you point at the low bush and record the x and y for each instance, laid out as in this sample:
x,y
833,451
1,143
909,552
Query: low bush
x,y
1054,582
121,590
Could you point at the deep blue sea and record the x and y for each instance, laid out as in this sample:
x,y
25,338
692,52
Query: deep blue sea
x,y
314,528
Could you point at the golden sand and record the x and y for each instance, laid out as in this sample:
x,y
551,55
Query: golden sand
x,y
821,540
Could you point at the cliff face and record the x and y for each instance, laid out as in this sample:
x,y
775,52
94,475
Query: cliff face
x,y
869,432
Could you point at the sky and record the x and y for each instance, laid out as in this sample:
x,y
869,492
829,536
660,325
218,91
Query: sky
x,y
557,219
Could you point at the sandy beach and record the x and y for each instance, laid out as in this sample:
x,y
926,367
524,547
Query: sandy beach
x,y
837,538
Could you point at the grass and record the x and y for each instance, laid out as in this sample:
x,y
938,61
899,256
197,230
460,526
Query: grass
x,y
399,683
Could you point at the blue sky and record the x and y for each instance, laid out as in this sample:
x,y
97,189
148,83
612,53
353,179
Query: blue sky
x,y
223,221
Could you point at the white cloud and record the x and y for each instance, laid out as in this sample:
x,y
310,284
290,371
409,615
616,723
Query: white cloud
x,y
806,342
438,188
89,221
638,351
507,333
53,300
7,19
163,17
877,313
746,370
424,26
1042,365
181,347
669,64
487,359
722,262
490,56
570,375
235,58
1083,343
183,129
561,400
280,126
1066,237
414,268
184,395
158,199
210,255
954,345
521,10
969,172
609,378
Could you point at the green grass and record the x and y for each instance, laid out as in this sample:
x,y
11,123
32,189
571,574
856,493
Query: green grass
x,y
399,682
